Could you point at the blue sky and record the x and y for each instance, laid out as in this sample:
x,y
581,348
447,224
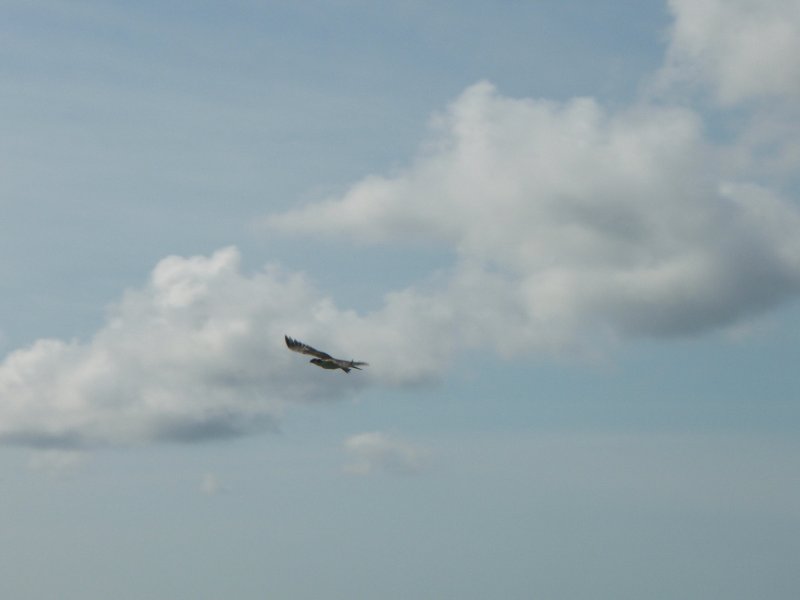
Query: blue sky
x,y
564,235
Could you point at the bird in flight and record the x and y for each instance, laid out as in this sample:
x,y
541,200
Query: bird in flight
x,y
323,359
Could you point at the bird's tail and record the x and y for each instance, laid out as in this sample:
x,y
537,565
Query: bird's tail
x,y
357,365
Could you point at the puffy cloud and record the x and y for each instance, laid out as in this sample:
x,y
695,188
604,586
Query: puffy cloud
x,y
567,219
196,354
378,452
743,49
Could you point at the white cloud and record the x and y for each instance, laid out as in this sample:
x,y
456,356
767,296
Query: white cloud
x,y
197,353
742,49
378,452
568,219
746,55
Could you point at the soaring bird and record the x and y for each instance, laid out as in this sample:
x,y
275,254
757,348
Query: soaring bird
x,y
324,360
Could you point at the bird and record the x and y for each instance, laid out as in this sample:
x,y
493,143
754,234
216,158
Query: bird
x,y
323,359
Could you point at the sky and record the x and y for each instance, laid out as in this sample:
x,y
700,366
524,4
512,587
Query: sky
x,y
565,236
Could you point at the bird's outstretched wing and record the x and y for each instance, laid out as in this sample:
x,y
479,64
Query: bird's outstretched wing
x,y
302,348
324,360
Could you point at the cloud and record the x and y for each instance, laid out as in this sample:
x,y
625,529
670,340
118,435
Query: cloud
x,y
195,354
746,55
742,50
57,462
567,219
210,485
198,354
375,452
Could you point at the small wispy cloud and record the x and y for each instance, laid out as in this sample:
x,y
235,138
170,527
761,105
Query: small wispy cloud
x,y
210,484
378,452
57,462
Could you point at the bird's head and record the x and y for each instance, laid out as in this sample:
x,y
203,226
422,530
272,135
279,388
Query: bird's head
x,y
316,361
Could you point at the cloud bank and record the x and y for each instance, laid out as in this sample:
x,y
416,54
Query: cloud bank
x,y
568,222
